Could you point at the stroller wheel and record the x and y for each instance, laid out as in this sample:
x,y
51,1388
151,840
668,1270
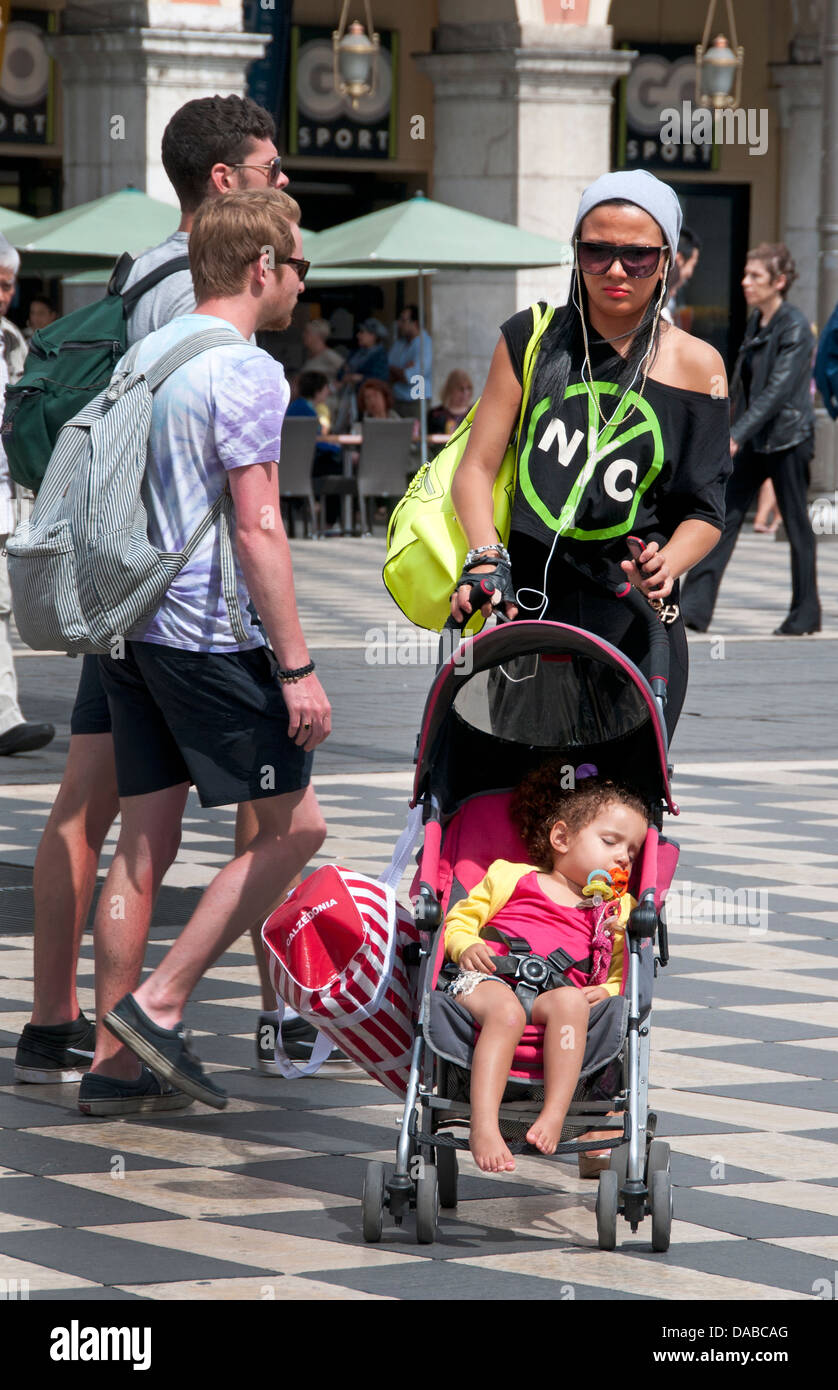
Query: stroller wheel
x,y
660,1191
447,1171
658,1160
372,1202
427,1205
607,1202
619,1164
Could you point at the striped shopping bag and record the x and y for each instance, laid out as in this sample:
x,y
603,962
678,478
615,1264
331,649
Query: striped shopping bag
x,y
335,951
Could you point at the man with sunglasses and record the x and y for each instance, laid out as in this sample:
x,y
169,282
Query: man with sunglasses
x,y
197,696
212,146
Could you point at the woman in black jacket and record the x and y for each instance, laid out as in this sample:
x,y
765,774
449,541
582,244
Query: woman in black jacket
x,y
773,436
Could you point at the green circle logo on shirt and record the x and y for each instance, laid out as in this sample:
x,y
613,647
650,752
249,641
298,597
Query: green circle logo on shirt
x,y
620,460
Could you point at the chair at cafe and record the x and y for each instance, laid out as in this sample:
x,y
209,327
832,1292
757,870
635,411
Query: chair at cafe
x,y
385,465
298,443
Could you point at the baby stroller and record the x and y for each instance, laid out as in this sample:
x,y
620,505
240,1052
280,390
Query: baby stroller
x,y
505,701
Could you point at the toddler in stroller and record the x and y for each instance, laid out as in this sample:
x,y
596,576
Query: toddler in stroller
x,y
569,909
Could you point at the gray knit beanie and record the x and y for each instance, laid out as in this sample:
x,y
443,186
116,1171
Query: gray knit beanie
x,y
642,188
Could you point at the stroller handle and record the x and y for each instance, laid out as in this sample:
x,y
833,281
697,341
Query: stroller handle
x,y
658,640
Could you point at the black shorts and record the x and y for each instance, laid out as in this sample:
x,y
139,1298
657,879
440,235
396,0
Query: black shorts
x,y
214,719
91,714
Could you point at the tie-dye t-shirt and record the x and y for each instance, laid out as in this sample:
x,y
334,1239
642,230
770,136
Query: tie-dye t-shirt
x,y
222,410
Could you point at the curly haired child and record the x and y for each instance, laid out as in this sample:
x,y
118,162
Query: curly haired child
x,y
594,830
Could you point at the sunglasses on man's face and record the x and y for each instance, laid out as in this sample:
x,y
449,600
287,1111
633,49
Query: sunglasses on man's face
x,y
272,170
302,267
597,258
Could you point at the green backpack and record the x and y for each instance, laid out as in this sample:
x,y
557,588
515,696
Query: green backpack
x,y
426,546
69,363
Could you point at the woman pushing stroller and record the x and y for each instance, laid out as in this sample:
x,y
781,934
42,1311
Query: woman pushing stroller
x,y
626,431
570,899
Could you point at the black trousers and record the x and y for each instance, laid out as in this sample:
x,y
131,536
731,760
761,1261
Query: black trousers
x,y
575,600
789,472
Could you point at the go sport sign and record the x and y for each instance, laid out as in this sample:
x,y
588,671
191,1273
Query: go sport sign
x,y
26,76
322,123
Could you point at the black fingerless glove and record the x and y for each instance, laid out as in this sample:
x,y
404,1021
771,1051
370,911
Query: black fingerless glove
x,y
499,577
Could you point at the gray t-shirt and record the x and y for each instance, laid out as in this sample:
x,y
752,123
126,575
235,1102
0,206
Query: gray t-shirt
x,y
168,300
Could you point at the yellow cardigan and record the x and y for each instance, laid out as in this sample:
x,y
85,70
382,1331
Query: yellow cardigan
x,y
464,922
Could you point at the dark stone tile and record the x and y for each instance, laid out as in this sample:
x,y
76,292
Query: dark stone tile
x,y
226,1051
742,1216
112,1260
756,1261
802,1061
207,990
64,1204
690,1171
435,1281
324,1134
319,1092
711,994
730,1022
803,1095
219,1018
670,1125
46,1156
344,1176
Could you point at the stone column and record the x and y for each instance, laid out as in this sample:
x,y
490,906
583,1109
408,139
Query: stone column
x,y
799,99
522,122
139,62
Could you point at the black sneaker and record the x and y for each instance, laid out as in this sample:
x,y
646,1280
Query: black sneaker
x,y
165,1050
53,1053
298,1039
110,1095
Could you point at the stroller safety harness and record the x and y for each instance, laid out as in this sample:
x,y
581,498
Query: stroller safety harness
x,y
529,974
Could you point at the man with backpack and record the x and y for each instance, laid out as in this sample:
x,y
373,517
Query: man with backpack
x,y
17,735
211,147
195,696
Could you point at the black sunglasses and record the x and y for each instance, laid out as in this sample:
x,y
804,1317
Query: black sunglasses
x,y
302,267
639,262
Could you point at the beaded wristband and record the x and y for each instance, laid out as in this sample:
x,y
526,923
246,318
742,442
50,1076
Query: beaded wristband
x,y
474,556
300,673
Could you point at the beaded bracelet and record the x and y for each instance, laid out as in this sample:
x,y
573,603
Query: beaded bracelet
x,y
475,555
300,673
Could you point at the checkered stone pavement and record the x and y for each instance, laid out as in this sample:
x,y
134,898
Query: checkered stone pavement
x,y
262,1200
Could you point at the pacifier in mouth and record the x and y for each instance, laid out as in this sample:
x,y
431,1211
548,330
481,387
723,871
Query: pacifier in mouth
x,y
599,886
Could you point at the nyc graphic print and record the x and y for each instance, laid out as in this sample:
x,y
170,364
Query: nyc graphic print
x,y
587,483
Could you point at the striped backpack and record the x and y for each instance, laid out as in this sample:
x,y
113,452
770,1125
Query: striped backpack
x,y
82,569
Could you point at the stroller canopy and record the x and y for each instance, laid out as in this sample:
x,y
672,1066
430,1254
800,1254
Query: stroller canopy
x,y
523,691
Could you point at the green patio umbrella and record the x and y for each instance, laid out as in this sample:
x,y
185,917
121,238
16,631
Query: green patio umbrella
x,y
420,234
92,235
13,223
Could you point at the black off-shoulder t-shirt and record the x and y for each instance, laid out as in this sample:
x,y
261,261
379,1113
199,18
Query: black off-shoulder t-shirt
x,y
663,458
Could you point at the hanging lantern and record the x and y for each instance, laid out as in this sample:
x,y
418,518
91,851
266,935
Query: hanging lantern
x,y
718,68
355,56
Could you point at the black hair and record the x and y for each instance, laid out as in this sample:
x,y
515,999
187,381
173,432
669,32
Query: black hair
x,y
44,299
563,340
208,131
309,383
413,310
688,242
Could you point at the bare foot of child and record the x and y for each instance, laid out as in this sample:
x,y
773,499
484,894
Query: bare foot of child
x,y
546,1132
489,1151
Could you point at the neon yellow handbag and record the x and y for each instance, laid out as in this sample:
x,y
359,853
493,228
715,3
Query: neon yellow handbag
x,y
426,546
